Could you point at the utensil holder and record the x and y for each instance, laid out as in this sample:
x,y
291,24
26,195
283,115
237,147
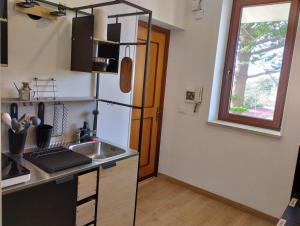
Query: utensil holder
x,y
43,135
17,141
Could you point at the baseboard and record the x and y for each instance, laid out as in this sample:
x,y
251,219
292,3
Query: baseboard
x,y
229,202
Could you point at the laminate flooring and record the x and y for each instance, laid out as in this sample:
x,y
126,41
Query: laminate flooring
x,y
162,202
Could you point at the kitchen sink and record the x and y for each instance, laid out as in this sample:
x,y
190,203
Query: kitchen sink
x,y
97,150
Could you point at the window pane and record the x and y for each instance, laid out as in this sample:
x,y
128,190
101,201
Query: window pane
x,y
258,60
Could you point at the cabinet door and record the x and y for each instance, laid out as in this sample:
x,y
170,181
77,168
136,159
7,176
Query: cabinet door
x,y
3,43
82,44
51,204
117,192
3,9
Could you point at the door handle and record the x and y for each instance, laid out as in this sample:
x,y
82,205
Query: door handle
x,y
228,73
64,180
109,165
158,113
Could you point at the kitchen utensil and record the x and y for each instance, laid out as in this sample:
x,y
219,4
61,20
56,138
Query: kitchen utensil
x,y
61,11
26,4
16,141
16,126
41,112
6,119
23,117
43,135
27,125
35,121
59,120
95,124
56,159
16,87
100,64
14,111
43,132
126,72
25,93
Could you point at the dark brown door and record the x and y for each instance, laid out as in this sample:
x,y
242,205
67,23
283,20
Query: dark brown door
x,y
154,98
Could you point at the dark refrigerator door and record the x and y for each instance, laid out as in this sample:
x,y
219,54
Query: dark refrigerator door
x,y
51,204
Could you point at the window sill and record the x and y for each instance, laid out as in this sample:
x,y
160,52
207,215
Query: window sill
x,y
252,129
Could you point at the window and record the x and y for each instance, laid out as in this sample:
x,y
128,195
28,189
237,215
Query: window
x,y
257,64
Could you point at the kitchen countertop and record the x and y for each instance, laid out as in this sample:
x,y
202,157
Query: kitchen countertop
x,y
38,176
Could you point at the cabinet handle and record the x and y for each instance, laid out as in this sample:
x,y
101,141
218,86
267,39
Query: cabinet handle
x,y
109,165
64,180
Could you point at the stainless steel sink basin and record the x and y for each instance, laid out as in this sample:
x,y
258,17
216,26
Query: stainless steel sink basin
x,y
97,150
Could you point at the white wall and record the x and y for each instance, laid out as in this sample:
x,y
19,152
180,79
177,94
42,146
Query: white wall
x,y
167,13
251,169
43,49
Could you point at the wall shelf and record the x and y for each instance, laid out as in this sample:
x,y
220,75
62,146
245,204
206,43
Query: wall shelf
x,y
36,11
82,36
104,73
48,100
119,104
106,42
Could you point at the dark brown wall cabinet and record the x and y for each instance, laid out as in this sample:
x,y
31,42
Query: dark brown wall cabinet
x,y
84,48
3,9
3,33
82,44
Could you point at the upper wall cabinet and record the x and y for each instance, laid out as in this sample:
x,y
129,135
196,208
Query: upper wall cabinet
x,y
3,33
82,43
90,55
3,9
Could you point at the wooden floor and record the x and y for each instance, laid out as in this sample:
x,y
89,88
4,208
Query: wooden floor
x,y
165,203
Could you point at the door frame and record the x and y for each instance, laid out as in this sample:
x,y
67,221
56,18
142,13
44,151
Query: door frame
x,y
167,33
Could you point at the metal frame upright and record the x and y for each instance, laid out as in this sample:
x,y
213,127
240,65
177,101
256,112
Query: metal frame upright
x,y
140,11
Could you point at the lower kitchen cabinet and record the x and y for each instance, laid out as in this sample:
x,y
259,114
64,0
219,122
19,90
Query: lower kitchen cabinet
x,y
117,193
85,213
50,204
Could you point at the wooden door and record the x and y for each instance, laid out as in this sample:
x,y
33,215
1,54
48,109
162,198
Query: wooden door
x,y
158,56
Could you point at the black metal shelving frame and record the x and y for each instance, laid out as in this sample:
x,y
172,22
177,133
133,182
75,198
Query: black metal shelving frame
x,y
140,11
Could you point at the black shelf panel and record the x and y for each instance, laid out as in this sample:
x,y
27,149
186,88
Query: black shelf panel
x,y
120,104
133,43
127,14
